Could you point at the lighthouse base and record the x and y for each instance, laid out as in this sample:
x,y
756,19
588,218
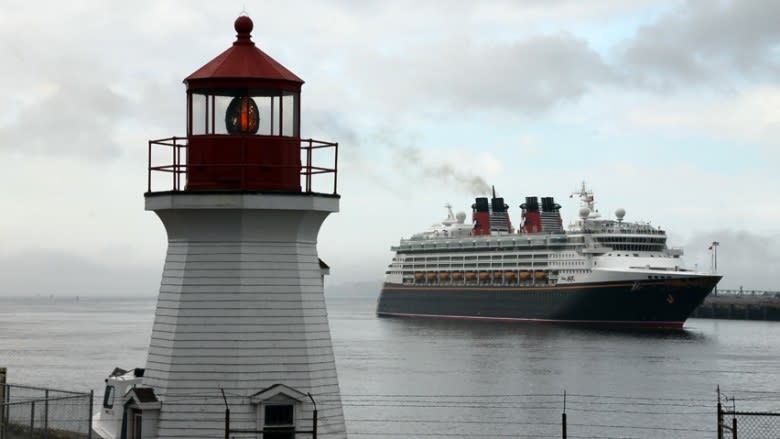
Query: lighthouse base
x,y
241,310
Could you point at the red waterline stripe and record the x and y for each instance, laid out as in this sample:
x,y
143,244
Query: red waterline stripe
x,y
601,323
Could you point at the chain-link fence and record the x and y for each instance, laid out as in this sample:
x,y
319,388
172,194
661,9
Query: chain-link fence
x,y
34,412
763,422
749,425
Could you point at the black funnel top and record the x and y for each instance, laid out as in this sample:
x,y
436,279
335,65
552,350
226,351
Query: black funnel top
x,y
481,205
498,205
531,204
548,205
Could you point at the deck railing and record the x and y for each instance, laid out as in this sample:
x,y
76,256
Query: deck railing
x,y
176,166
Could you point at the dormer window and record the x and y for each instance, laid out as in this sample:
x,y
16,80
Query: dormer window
x,y
280,412
279,421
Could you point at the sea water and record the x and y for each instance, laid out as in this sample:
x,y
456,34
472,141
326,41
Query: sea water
x,y
432,378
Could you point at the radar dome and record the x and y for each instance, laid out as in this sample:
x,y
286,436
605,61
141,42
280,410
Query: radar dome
x,y
620,213
584,212
461,217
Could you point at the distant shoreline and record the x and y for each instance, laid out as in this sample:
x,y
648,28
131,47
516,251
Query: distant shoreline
x,y
739,308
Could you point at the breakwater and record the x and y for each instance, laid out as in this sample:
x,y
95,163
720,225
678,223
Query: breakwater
x,y
740,307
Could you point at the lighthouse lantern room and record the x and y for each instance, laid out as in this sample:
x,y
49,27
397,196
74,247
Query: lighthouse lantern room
x,y
243,127
243,121
240,344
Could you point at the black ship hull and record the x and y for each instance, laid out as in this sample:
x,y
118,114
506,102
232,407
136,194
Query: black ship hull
x,y
650,304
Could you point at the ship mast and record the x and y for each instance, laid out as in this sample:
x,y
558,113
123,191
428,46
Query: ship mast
x,y
587,199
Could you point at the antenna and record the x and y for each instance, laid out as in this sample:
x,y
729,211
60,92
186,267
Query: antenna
x,y
586,199
450,215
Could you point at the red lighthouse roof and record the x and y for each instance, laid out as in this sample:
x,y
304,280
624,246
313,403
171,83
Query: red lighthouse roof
x,y
243,66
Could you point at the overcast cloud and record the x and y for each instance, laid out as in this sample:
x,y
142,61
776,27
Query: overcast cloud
x,y
710,42
668,108
528,75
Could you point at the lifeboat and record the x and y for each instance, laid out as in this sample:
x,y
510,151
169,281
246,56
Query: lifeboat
x,y
419,276
484,275
525,275
444,275
540,275
431,275
509,275
498,275
457,275
470,275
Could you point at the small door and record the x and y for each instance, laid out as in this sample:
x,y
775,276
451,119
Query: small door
x,y
135,426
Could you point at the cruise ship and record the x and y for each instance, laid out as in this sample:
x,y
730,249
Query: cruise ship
x,y
597,272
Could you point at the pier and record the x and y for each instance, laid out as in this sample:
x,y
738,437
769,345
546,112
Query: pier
x,y
740,305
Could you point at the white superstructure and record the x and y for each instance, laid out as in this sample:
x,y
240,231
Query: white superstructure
x,y
592,250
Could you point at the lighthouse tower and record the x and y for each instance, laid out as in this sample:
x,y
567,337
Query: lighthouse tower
x,y
241,323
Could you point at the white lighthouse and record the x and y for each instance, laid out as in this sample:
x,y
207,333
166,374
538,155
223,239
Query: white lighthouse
x,y
241,310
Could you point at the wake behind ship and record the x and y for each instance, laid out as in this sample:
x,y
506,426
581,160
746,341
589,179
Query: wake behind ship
x,y
599,272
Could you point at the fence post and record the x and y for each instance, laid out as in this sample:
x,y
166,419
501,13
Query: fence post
x,y
91,402
46,414
2,402
314,416
227,414
734,428
563,425
227,423
720,416
563,417
314,425
32,419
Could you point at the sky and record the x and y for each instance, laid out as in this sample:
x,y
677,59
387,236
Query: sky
x,y
668,109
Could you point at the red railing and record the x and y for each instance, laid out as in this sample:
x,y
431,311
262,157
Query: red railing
x,y
177,166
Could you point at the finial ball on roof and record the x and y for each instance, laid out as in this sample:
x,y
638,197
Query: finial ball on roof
x,y
243,25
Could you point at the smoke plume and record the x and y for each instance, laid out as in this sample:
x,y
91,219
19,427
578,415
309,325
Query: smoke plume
x,y
411,160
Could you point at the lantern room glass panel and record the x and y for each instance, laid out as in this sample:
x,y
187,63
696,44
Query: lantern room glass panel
x,y
221,104
258,112
198,114
289,115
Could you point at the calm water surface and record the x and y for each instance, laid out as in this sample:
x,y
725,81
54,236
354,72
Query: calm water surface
x,y
448,379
